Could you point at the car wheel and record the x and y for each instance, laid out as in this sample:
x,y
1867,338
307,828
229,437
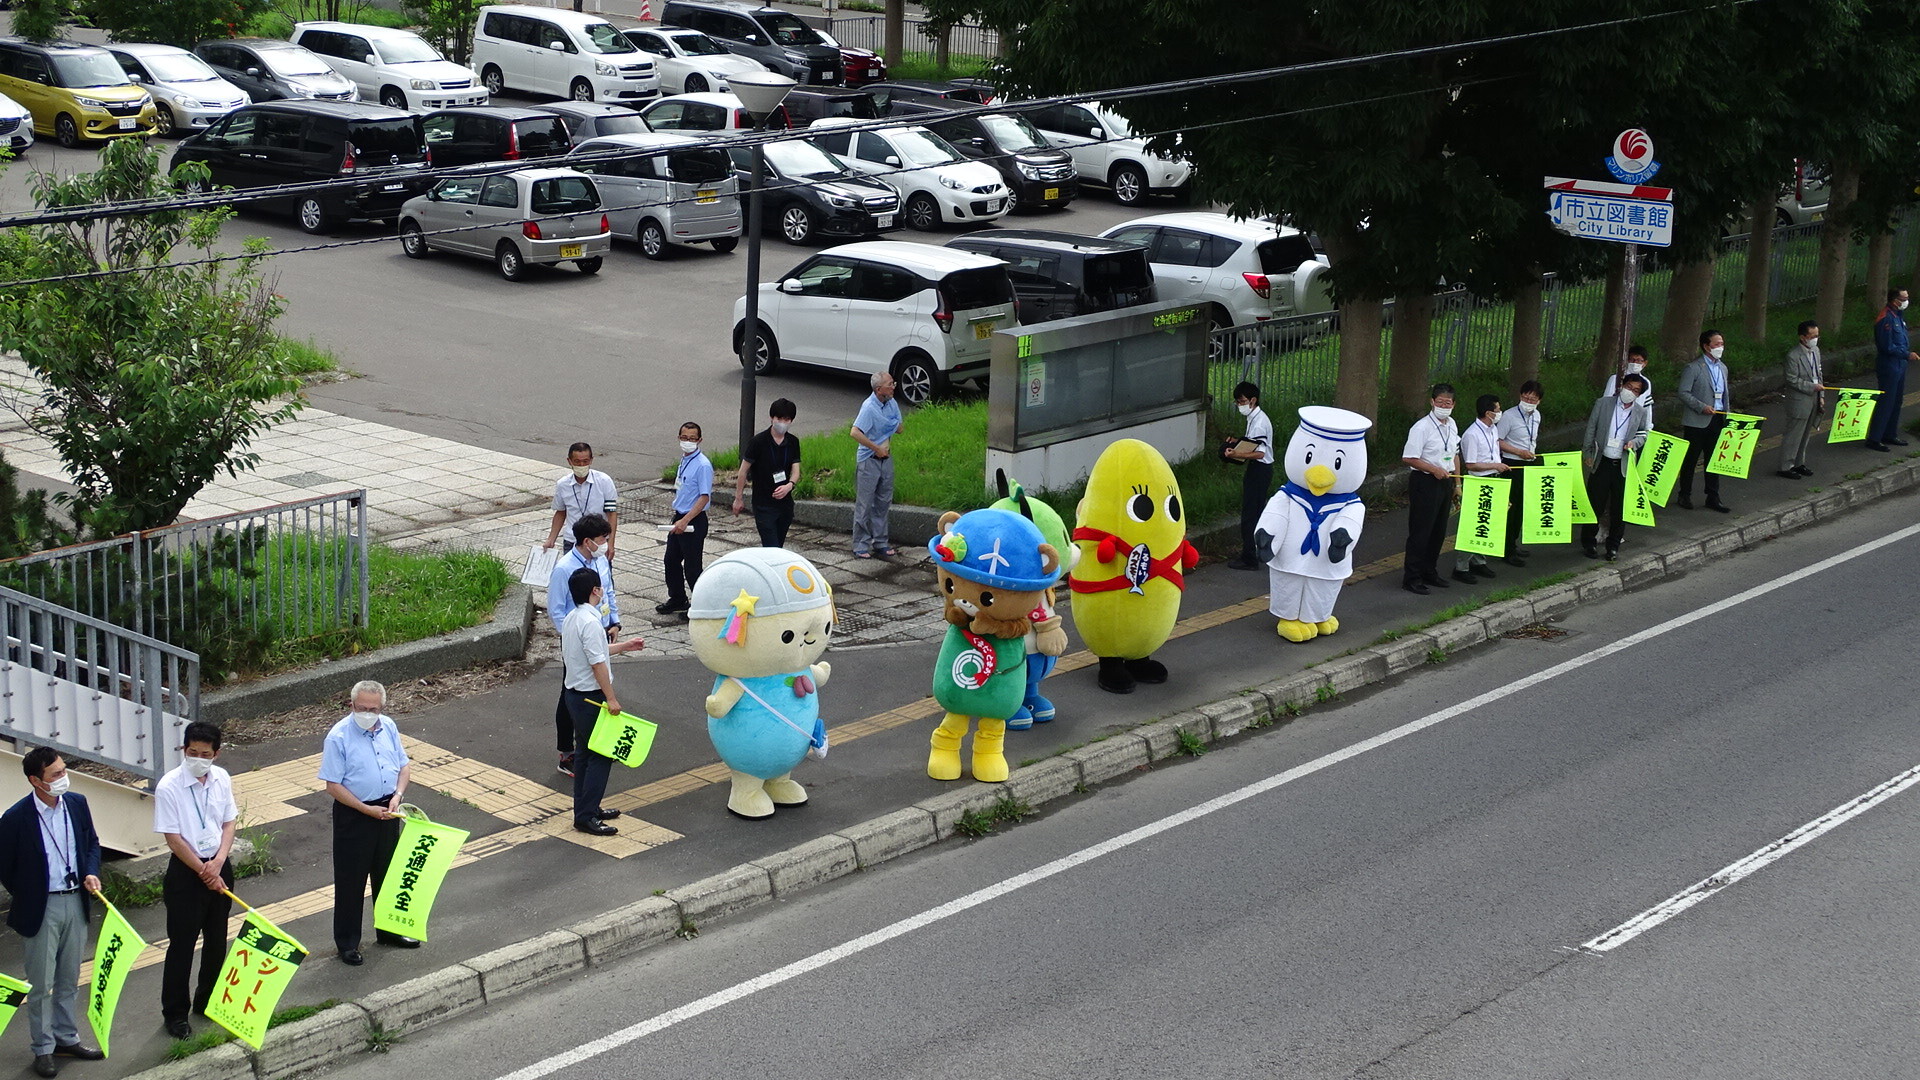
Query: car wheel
x,y
725,244
507,259
922,212
1013,200
392,98
1217,320
495,83
413,241
66,131
796,224
653,239
1129,185
163,123
1781,219
766,351
695,85
311,215
582,90
588,265
917,378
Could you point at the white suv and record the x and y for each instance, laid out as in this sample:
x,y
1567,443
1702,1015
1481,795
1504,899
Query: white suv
x,y
1105,152
397,68
569,54
1246,271
937,183
923,313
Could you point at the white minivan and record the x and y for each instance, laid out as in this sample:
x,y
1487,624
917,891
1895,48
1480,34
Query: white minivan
x,y
397,68
925,314
568,54
673,189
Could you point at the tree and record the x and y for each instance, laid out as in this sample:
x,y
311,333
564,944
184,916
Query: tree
x,y
38,20
152,381
446,23
173,22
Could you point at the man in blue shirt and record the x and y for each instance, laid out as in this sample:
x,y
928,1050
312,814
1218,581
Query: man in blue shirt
x,y
366,771
692,491
593,535
874,428
1892,351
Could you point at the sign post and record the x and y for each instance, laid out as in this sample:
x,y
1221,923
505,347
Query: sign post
x,y
1626,212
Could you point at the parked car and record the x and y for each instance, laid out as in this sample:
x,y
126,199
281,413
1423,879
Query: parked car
x,y
923,313
292,142
807,104
569,54
16,125
690,62
940,185
1037,175
929,93
270,70
457,137
532,217
76,93
706,112
808,193
1106,153
774,38
1246,271
1804,201
1058,275
187,94
858,67
592,119
397,68
674,189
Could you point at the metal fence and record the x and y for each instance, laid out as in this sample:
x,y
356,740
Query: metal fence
x,y
870,32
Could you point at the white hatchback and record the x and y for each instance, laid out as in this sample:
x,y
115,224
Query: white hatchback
x,y
397,68
923,313
187,94
937,183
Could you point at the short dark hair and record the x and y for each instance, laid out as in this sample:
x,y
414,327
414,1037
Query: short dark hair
x,y
1708,335
582,582
1894,293
1806,326
37,761
697,433
1635,378
1247,390
1638,350
1485,404
1532,386
204,731
782,409
580,448
591,527
1440,388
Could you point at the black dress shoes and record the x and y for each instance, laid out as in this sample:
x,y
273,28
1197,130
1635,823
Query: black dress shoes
x,y
1465,578
44,1065
594,828
352,957
1720,506
1436,582
605,815
1483,571
1686,502
1591,551
78,1052
398,941
1787,474
179,1029
1881,447
1896,442
1419,588
1802,471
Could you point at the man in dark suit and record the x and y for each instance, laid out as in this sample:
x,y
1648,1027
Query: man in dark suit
x,y
49,861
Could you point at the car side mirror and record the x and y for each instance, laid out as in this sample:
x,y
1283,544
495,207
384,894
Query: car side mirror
x,y
1096,133
136,77
791,286
893,161
755,39
253,72
557,46
977,143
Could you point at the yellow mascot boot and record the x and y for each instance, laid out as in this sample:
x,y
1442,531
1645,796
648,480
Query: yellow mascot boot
x,y
1296,631
1331,626
943,763
785,792
749,798
989,764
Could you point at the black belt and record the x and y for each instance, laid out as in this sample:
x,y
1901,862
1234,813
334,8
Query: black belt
x,y
62,892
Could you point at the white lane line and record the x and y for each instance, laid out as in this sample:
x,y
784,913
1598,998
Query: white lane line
x,y
1751,864
615,1040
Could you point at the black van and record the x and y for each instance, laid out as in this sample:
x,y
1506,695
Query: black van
x,y
1057,275
1037,175
804,105
292,142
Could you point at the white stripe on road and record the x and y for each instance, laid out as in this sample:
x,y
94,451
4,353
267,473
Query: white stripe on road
x,y
1751,864
738,991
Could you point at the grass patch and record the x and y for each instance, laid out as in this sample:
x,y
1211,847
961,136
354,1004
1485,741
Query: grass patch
x,y
1008,809
307,357
411,596
1190,744
922,65
123,891
263,859
180,1049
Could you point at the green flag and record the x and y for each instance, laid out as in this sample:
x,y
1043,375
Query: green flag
x,y
1636,506
1733,453
626,738
1852,414
1657,466
1483,515
13,994
1543,505
1579,511
420,863
260,964
113,958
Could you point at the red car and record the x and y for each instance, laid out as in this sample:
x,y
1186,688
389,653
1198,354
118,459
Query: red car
x,y
858,67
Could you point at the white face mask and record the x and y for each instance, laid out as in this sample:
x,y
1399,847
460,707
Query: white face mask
x,y
1813,342
1495,418
366,720
1716,351
688,447
581,471
1627,397
1635,367
780,427
1245,410
198,767
1902,305
59,787
1527,408
1440,413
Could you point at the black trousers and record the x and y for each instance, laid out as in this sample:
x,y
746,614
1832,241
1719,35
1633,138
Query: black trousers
x,y
1255,487
773,520
1700,444
1429,499
195,914
562,722
590,770
362,848
1513,502
1607,492
683,558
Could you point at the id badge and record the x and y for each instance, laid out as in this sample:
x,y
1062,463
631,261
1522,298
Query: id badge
x,y
1613,444
780,477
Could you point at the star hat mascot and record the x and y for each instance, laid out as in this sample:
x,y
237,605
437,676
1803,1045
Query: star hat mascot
x,y
760,618
1131,530
993,568
1048,638
1307,532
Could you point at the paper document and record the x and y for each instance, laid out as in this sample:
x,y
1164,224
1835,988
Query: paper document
x,y
539,565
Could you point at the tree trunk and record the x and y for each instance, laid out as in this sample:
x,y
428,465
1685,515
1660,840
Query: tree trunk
x,y
1528,307
1359,386
1412,348
1758,289
1606,352
896,30
943,48
1688,294
1830,297
1879,264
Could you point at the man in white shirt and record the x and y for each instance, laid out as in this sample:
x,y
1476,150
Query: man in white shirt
x,y
586,654
1256,487
1636,365
584,490
1519,430
1616,427
1433,453
193,808
1480,452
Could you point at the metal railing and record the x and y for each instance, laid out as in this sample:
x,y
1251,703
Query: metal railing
x,y
91,689
870,32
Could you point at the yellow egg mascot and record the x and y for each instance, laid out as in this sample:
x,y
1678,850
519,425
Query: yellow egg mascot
x,y
1131,530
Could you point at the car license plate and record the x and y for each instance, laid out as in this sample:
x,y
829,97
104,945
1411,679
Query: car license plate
x,y
706,196
127,122
884,221
994,206
393,187
1050,194
572,251
825,76
984,330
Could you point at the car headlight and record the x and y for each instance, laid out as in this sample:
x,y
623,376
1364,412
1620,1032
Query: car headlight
x,y
839,202
189,103
1029,171
950,182
601,67
423,84
91,103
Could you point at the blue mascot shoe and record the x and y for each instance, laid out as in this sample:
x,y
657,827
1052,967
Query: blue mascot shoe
x,y
1020,721
1040,708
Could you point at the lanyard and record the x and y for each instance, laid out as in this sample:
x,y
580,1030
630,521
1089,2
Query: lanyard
x,y
199,804
65,859
1621,421
583,489
777,714
1489,445
1446,437
1718,375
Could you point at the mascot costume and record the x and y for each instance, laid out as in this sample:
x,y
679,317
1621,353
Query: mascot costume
x,y
1132,534
1047,640
759,620
994,568
1307,533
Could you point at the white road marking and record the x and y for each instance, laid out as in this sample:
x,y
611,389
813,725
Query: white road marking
x,y
615,1040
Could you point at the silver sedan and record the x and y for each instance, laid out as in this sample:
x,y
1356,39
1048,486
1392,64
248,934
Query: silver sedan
x,y
533,217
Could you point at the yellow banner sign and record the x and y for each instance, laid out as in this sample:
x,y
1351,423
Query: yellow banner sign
x,y
626,738
1657,466
1636,506
1483,515
420,864
13,994
1579,510
260,964
113,958
1733,453
1852,415
1544,517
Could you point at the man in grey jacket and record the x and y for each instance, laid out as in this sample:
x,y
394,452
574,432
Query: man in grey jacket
x,y
1616,427
1705,399
1804,402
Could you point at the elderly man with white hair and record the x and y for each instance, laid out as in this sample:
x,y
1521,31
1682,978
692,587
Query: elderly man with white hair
x,y
366,771
874,428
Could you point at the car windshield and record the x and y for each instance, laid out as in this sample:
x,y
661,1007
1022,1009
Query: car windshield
x,y
178,67
293,62
917,146
604,38
564,195
803,159
826,39
384,140
698,44
701,166
969,289
620,124
406,50
1116,125
1118,273
787,29
78,70
1012,133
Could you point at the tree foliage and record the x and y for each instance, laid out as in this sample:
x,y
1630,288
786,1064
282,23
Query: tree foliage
x,y
448,24
173,22
38,20
154,381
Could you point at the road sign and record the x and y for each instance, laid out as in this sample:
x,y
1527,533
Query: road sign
x,y
1632,159
1602,187
1612,218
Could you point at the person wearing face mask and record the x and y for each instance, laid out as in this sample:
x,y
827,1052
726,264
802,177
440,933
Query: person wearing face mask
x,y
874,427
49,862
1893,351
1804,402
1706,399
1616,427
193,809
591,533
583,490
772,462
1433,453
1519,431
1480,452
585,654
366,771
692,491
1256,450
1636,365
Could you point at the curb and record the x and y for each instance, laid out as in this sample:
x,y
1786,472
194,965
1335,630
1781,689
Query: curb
x,y
319,1041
